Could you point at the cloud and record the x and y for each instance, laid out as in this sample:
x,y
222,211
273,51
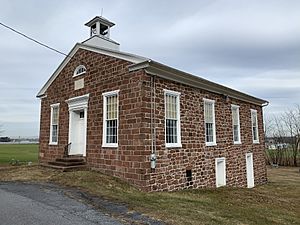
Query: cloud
x,y
252,46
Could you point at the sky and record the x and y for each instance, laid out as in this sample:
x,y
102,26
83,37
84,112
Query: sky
x,y
251,46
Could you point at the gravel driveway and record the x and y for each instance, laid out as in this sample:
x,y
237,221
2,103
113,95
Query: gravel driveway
x,y
48,204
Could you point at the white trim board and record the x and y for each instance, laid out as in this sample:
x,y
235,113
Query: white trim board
x,y
249,170
105,95
178,128
75,104
220,171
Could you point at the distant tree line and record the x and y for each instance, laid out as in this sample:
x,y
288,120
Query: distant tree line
x,y
5,139
283,132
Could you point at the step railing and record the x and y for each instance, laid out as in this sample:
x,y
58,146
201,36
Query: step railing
x,y
67,150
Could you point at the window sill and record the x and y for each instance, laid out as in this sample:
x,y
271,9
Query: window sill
x,y
175,145
237,143
255,142
77,75
110,145
210,144
53,143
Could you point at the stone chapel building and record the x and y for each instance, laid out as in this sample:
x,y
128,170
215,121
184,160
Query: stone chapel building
x,y
156,127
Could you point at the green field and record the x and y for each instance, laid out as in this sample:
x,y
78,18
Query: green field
x,y
21,152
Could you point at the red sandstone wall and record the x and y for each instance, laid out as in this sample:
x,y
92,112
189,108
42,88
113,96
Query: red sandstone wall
x,y
172,163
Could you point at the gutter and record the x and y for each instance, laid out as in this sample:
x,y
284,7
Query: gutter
x,y
161,70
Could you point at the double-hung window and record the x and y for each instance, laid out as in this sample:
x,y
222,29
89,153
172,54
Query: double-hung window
x,y
110,119
54,124
254,126
209,120
236,124
172,119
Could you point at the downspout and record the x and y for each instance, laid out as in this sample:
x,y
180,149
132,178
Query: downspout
x,y
152,124
264,125
265,104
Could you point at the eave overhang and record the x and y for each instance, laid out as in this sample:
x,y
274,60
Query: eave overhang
x,y
166,72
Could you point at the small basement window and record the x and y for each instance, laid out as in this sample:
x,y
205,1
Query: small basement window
x,y
189,178
79,70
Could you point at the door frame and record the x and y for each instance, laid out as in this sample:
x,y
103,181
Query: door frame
x,y
223,172
77,104
250,177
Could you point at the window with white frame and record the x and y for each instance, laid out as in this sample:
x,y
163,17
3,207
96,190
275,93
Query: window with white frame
x,y
172,119
236,124
209,119
110,119
79,70
54,124
254,126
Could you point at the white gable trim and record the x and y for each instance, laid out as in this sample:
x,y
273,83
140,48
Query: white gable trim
x,y
117,54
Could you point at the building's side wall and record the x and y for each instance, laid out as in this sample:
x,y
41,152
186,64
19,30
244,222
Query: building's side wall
x,y
172,163
104,74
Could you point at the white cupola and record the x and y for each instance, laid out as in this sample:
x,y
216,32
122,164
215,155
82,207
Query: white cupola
x,y
100,33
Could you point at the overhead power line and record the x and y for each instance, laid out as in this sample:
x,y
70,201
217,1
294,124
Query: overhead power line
x,y
34,40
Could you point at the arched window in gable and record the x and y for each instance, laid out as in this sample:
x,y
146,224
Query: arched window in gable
x,y
79,70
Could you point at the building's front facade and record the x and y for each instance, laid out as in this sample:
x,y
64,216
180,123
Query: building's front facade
x,y
147,123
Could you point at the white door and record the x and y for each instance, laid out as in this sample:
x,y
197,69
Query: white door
x,y
249,169
77,132
220,172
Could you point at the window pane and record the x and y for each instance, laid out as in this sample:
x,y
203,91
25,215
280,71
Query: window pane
x,y
209,132
254,134
111,131
55,115
171,131
54,133
80,69
253,119
208,112
235,120
235,132
171,107
111,107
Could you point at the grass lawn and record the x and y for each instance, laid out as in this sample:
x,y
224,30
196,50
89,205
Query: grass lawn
x,y
274,203
21,152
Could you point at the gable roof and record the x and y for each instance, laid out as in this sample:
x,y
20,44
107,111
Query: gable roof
x,y
155,68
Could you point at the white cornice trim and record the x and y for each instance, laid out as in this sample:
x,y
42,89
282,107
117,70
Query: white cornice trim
x,y
78,102
160,70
